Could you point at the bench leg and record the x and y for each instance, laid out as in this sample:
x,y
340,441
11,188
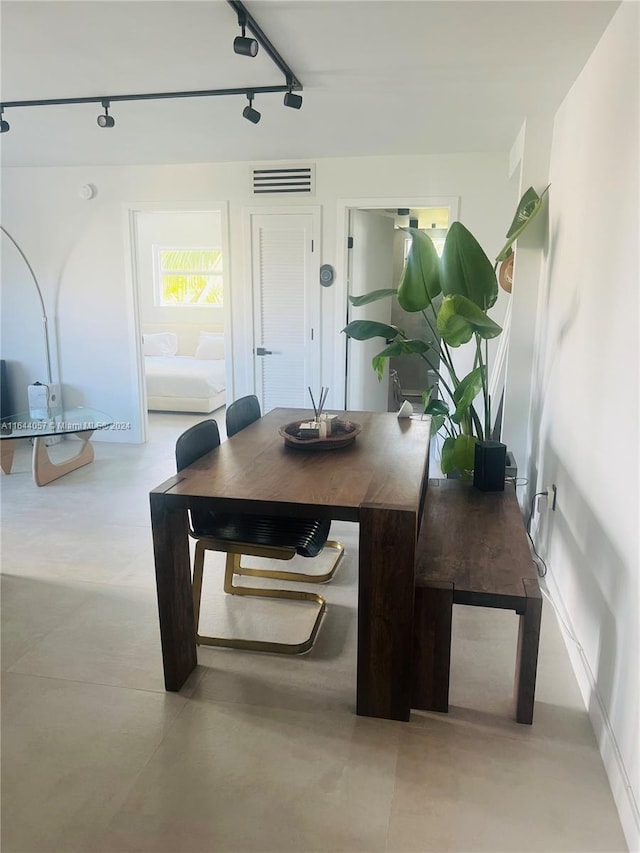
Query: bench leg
x,y
527,656
432,647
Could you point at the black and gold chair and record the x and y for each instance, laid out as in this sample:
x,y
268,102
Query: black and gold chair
x,y
263,536
240,414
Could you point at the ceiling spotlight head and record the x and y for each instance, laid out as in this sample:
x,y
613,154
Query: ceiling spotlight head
x,y
249,113
4,124
106,120
245,46
293,101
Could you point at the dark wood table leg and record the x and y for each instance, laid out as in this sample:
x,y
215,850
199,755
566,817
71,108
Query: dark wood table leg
x,y
527,656
385,612
173,582
432,618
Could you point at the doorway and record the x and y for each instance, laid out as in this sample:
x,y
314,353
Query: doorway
x,y
181,304
364,273
371,242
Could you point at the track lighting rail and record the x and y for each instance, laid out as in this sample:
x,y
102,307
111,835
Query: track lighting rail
x,y
148,96
245,19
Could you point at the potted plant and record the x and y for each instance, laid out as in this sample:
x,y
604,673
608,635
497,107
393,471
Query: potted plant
x,y
453,293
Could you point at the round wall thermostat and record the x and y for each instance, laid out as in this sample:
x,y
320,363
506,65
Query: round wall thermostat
x,y
327,275
87,192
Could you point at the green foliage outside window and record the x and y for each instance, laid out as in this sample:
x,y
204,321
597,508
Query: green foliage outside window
x,y
190,277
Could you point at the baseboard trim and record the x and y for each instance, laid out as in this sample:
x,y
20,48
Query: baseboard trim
x,y
623,794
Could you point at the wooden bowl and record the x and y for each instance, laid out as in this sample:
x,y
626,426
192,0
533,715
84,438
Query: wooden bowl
x,y
343,434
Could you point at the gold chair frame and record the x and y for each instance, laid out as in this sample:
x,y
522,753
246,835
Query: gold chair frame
x,y
299,577
234,552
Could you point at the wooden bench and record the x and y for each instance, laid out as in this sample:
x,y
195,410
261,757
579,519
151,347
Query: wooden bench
x,y
472,549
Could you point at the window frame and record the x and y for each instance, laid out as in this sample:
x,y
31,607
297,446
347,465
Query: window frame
x,y
159,272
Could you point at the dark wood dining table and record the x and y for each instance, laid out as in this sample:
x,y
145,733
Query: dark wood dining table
x,y
379,481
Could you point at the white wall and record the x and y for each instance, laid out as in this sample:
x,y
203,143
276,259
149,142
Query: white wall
x,y
530,162
80,249
175,229
586,395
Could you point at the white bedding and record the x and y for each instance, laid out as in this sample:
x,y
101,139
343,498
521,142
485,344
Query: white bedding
x,y
183,376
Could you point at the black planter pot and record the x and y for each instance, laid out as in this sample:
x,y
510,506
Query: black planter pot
x,y
489,466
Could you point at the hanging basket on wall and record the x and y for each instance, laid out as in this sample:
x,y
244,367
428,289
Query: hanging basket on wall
x,y
505,273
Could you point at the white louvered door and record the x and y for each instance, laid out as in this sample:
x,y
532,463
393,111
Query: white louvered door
x,y
286,309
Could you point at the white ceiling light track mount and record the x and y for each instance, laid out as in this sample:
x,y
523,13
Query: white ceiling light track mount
x,y
243,45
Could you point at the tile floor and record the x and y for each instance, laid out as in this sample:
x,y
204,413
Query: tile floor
x,y
257,752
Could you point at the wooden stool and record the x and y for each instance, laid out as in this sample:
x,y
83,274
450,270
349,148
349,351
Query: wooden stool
x,y
472,549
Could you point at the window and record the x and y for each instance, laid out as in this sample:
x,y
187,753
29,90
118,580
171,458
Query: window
x,y
188,276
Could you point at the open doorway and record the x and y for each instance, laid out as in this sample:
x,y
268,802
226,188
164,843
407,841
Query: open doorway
x,y
378,245
179,263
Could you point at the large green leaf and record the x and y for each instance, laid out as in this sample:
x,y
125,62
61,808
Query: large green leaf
x,y
466,392
420,280
458,454
406,346
464,454
436,422
364,330
436,407
438,410
426,397
447,461
458,318
466,270
528,207
366,298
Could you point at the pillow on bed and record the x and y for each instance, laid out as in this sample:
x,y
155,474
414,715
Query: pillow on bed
x,y
160,343
210,346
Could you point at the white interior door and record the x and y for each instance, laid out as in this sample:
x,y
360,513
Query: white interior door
x,y
286,308
370,268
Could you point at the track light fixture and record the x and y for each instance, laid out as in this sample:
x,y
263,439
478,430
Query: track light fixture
x,y
244,45
293,101
106,120
249,113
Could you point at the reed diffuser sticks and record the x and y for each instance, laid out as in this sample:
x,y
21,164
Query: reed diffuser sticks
x,y
323,398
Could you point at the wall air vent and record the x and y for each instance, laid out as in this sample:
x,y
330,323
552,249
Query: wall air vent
x,y
289,180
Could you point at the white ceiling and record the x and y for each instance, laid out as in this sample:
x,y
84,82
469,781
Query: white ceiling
x,y
382,77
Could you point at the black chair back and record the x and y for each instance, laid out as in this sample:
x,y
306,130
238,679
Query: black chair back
x,y
191,445
241,413
195,442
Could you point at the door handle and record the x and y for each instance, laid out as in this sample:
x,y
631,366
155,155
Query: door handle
x,y
263,351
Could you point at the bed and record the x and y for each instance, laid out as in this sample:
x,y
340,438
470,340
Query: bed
x,y
184,368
